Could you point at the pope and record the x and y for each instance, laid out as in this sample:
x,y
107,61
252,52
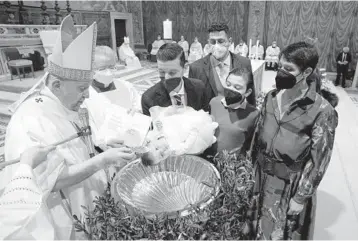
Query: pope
x,y
68,179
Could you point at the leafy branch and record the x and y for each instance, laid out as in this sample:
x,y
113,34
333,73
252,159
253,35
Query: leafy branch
x,y
224,218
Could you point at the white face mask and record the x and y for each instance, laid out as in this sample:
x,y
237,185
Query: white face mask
x,y
219,51
104,76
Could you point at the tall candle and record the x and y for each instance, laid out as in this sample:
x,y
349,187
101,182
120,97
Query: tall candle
x,y
250,48
167,29
257,50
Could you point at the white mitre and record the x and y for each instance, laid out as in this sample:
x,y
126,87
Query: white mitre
x,y
72,57
49,38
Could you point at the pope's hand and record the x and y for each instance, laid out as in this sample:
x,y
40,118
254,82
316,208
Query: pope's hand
x,y
35,155
118,156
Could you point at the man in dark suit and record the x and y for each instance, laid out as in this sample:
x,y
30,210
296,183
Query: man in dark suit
x,y
214,69
343,60
174,89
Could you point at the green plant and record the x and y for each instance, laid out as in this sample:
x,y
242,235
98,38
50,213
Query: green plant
x,y
224,218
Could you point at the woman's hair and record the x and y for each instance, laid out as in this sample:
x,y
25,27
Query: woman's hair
x,y
247,76
302,54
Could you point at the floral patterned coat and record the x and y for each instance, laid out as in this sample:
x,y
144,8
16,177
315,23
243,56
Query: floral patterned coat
x,y
291,155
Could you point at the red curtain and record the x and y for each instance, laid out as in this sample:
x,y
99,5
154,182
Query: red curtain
x,y
334,23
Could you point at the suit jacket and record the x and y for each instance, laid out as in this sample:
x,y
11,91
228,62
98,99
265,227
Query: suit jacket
x,y
348,58
203,70
158,95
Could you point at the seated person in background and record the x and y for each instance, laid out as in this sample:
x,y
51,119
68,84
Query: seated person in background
x,y
241,49
259,54
207,49
178,131
196,51
185,45
127,55
235,116
155,47
174,89
272,53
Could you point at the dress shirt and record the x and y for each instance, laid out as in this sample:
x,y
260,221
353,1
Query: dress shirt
x,y
225,69
181,92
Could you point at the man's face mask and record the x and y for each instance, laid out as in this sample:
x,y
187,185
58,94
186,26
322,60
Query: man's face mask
x,y
232,96
285,80
220,47
171,83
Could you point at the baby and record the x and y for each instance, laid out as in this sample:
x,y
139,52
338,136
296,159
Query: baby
x,y
178,131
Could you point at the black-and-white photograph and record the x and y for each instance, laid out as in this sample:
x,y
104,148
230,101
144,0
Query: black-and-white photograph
x,y
178,120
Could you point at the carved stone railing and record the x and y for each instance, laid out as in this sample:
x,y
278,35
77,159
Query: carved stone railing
x,y
20,35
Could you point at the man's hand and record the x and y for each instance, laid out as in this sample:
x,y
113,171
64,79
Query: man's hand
x,y
115,143
118,156
34,156
345,62
295,208
339,62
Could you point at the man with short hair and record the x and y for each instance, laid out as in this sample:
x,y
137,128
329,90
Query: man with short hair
x,y
213,69
343,60
174,89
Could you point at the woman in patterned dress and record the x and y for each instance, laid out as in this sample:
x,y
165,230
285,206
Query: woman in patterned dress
x,y
295,136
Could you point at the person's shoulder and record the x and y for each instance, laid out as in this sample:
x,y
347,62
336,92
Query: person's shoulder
x,y
195,82
149,93
244,61
199,63
253,111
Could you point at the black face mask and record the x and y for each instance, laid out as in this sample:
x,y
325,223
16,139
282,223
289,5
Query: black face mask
x,y
171,84
285,80
232,97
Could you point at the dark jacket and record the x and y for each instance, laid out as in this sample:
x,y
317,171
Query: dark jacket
x,y
348,57
202,70
158,95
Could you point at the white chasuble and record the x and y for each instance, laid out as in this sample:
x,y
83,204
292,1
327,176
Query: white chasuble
x,y
42,119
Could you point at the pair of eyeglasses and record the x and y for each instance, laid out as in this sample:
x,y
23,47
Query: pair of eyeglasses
x,y
219,41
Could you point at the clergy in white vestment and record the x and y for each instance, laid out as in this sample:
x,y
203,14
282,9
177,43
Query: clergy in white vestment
x,y
23,198
48,113
155,47
185,45
241,49
257,52
271,58
232,46
196,51
207,49
127,55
